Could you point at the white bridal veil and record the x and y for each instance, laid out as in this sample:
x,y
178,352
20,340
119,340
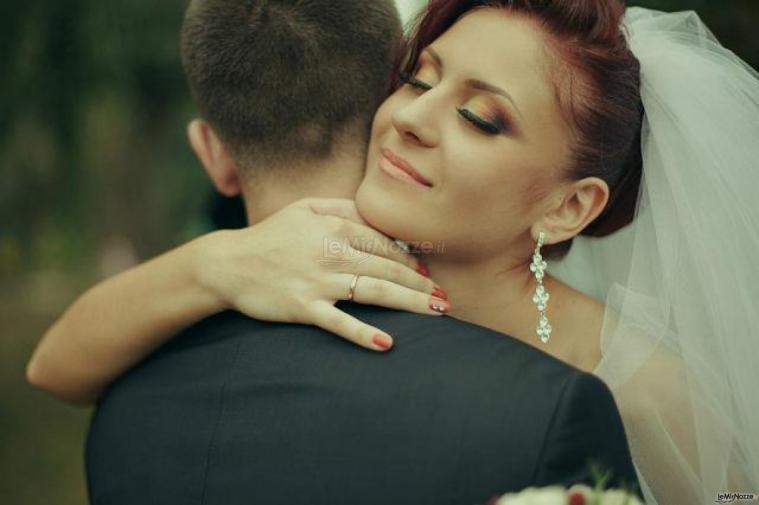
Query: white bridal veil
x,y
680,340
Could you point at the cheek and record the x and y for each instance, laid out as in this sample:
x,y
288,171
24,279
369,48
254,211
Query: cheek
x,y
493,187
383,117
382,127
534,191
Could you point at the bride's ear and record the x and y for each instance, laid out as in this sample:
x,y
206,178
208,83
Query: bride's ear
x,y
215,157
582,202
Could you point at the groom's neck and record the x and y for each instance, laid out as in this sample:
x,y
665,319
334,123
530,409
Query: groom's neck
x,y
337,176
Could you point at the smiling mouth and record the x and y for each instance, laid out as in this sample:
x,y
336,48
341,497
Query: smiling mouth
x,y
397,167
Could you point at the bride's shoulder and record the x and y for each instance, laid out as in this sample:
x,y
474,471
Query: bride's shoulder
x,y
654,381
577,322
643,370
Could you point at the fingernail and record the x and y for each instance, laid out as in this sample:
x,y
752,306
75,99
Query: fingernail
x,y
440,293
440,305
382,341
423,270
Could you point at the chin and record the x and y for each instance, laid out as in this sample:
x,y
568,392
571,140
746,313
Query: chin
x,y
389,214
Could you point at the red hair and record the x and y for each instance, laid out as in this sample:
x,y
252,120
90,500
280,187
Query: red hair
x,y
601,102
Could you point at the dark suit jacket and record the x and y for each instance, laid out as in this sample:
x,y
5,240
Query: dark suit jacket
x,y
236,411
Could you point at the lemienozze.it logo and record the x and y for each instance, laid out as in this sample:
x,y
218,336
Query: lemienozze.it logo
x,y
733,497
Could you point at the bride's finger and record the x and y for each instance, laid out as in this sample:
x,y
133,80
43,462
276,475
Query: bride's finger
x,y
340,207
373,291
361,235
371,265
330,318
369,240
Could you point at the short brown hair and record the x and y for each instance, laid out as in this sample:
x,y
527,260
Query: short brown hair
x,y
279,79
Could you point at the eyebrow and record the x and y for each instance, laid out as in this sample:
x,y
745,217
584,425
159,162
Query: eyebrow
x,y
476,83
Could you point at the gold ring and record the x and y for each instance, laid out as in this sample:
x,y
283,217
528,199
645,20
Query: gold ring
x,y
354,281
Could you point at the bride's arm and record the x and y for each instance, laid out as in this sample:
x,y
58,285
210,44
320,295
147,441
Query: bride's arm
x,y
117,322
275,270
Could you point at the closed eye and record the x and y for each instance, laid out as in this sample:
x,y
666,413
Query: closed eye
x,y
483,125
407,78
486,126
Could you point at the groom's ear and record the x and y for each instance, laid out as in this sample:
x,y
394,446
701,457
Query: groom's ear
x,y
215,157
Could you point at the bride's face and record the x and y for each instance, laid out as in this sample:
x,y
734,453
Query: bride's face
x,y
479,122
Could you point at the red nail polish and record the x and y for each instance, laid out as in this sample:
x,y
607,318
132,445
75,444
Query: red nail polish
x,y
440,305
382,341
423,270
440,293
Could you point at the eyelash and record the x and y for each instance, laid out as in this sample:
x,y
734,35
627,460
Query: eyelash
x,y
478,122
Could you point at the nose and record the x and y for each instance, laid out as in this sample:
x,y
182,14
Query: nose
x,y
415,121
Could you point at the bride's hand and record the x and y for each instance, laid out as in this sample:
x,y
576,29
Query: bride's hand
x,y
294,265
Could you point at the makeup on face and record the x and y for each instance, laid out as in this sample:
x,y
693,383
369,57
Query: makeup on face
x,y
480,108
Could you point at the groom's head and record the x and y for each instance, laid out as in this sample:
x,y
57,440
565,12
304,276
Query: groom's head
x,y
284,83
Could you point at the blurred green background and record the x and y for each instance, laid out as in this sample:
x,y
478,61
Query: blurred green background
x,y
95,174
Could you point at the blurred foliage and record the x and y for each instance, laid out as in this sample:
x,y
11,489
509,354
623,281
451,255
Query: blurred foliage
x,y
92,141
93,107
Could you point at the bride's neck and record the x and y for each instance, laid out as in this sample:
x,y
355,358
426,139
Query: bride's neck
x,y
491,295
500,298
485,293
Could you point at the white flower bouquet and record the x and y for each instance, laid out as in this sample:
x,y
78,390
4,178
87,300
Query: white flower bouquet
x,y
579,494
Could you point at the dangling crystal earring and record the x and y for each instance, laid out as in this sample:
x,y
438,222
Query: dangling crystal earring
x,y
540,299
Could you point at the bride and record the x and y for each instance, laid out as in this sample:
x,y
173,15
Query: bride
x,y
529,125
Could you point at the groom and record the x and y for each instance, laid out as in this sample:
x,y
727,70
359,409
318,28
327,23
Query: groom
x,y
239,411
